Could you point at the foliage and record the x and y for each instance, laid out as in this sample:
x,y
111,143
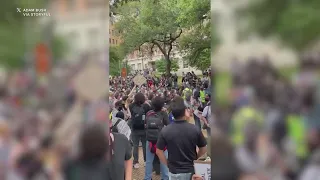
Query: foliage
x,y
59,48
296,23
196,46
116,57
162,64
197,41
150,22
18,37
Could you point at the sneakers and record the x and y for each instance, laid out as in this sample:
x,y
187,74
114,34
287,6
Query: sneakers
x,y
136,166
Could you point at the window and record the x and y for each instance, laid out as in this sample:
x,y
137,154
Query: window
x,y
133,66
185,64
116,41
139,66
146,66
112,41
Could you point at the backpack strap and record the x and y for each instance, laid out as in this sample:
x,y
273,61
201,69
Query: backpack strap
x,y
116,124
151,113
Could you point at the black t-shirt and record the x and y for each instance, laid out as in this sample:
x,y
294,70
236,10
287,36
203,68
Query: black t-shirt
x,y
100,169
181,139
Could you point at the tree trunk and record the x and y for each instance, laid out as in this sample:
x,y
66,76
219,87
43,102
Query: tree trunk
x,y
168,68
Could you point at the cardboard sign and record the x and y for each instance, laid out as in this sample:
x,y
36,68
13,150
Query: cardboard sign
x,y
203,169
91,82
139,80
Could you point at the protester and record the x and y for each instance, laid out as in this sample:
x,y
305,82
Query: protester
x,y
283,111
101,156
138,112
156,119
119,125
181,146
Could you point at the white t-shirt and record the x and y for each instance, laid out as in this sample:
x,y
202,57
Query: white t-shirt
x,y
207,114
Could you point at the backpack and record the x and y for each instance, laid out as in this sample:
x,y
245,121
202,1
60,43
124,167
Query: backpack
x,y
138,117
154,125
114,128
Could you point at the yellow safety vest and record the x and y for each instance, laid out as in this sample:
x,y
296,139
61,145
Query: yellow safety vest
x,y
202,96
239,121
297,133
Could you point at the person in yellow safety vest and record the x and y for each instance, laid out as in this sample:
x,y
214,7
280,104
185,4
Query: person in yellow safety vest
x,y
202,95
297,133
185,92
239,121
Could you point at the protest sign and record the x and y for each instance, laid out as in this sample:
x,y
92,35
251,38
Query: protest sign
x,y
203,169
139,80
91,82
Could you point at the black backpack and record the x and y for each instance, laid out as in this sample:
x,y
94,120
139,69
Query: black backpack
x,y
154,125
138,117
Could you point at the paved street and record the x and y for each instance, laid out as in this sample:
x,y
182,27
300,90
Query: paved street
x,y
138,174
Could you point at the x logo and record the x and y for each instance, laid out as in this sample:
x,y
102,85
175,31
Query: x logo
x,y
18,9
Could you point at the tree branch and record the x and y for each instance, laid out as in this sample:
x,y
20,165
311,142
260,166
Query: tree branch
x,y
172,39
160,47
170,49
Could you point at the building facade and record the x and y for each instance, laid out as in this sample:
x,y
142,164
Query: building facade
x,y
144,59
114,38
84,25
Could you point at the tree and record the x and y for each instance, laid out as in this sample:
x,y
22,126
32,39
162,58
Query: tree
x,y
162,64
296,23
197,42
150,22
196,46
17,37
116,57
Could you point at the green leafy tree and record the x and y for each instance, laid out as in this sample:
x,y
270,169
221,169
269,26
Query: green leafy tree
x,y
116,61
198,39
296,23
196,46
148,22
21,34
162,64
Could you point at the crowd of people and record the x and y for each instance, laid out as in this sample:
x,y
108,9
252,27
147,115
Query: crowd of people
x,y
272,122
107,147
270,129
142,112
